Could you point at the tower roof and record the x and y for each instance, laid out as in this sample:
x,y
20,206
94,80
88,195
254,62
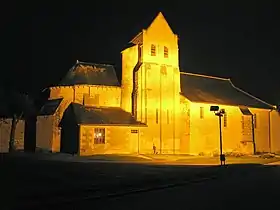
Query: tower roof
x,y
84,73
159,17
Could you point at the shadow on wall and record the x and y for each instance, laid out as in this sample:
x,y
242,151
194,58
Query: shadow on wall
x,y
30,134
31,120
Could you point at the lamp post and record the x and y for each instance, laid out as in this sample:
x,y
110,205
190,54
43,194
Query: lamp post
x,y
220,112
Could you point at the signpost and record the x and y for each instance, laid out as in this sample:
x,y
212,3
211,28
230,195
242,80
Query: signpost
x,y
220,112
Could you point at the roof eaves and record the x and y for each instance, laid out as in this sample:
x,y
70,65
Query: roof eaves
x,y
211,104
128,125
131,45
134,38
92,64
60,100
248,94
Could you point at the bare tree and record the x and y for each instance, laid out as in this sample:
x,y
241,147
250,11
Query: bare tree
x,y
57,118
20,106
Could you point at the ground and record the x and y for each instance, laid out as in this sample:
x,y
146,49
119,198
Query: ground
x,y
251,188
33,181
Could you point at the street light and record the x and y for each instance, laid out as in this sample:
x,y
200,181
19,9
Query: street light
x,y
220,112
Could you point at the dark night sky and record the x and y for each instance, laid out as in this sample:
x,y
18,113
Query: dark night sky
x,y
240,41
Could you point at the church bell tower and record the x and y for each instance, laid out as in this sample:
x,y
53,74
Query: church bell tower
x,y
151,79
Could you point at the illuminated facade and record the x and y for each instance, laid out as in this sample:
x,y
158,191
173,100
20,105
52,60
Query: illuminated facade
x,y
5,132
155,105
6,118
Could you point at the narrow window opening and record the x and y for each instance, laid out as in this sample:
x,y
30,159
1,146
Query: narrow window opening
x,y
153,50
165,52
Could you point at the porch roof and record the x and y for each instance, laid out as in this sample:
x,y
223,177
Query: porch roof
x,y
103,116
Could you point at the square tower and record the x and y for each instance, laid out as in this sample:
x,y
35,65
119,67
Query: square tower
x,y
151,79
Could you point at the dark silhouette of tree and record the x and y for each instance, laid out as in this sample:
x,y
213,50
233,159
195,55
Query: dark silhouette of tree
x,y
20,106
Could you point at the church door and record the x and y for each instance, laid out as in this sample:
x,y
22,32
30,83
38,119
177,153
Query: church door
x,y
134,141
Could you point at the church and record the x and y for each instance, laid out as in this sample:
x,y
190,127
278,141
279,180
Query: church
x,y
154,109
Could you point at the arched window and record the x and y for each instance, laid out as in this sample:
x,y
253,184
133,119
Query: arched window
x,y
153,50
165,52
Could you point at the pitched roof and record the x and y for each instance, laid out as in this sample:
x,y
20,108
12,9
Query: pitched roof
x,y
50,107
206,89
84,73
103,115
147,24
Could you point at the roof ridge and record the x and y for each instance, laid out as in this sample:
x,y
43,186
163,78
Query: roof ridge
x,y
90,63
148,22
248,94
206,76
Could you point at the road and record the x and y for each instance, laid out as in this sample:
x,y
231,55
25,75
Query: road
x,y
31,183
251,188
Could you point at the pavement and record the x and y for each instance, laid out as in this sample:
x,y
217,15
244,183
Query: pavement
x,y
145,159
249,188
32,180
276,163
36,180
